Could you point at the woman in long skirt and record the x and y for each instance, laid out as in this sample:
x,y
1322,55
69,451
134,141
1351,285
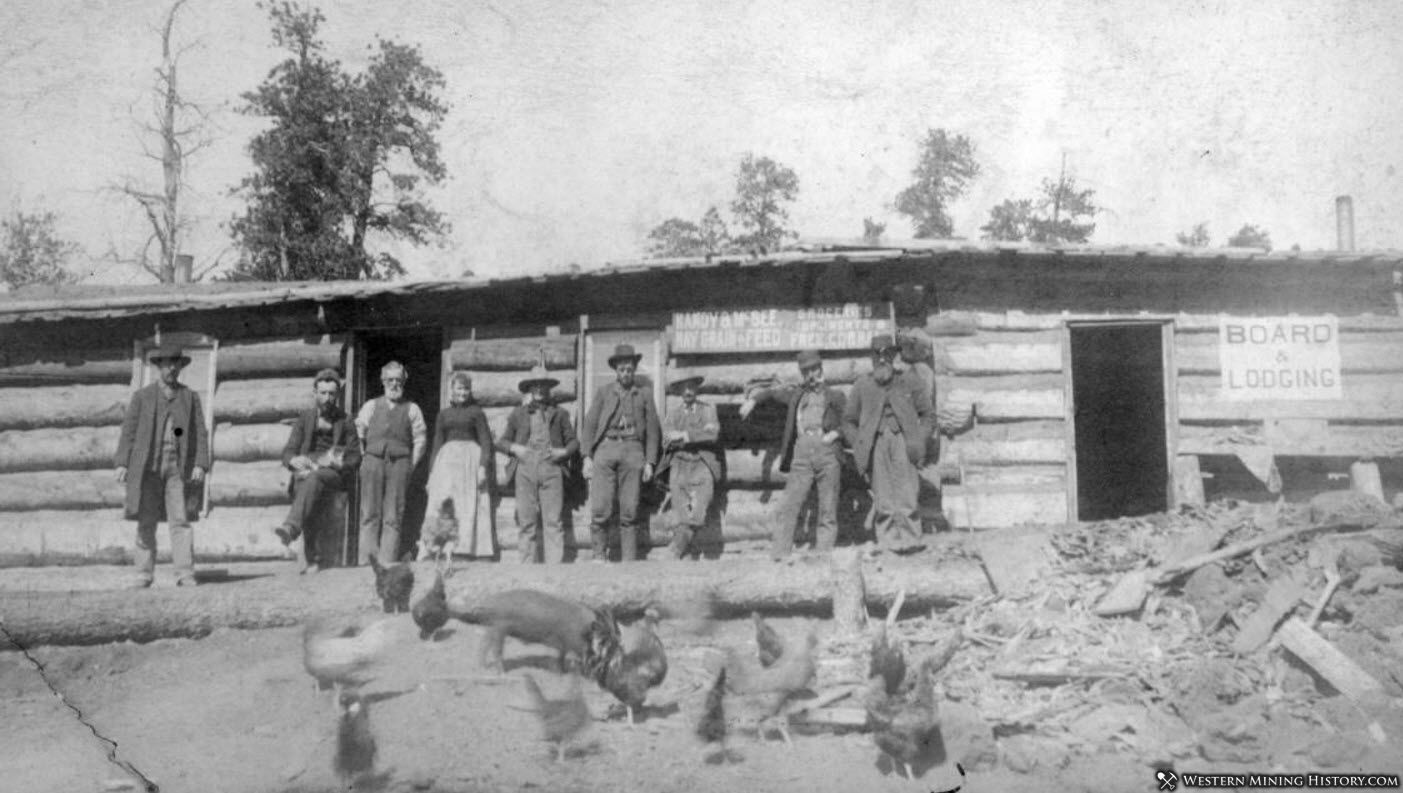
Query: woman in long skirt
x,y
462,478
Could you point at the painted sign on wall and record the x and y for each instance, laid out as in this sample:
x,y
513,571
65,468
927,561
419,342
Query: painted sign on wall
x,y
1280,357
847,327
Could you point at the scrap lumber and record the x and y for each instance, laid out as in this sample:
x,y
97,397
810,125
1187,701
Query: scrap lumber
x,y
849,593
1126,596
1168,573
1338,669
1283,595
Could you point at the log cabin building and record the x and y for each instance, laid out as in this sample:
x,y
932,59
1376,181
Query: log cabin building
x,y
1074,383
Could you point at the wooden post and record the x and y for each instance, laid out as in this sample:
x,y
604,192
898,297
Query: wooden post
x,y
1188,481
849,592
1364,478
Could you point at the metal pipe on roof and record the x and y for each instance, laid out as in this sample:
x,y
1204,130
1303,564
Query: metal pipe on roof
x,y
1344,223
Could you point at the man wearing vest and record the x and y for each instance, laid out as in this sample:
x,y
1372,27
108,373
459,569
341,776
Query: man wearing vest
x,y
322,452
393,440
809,452
541,440
621,437
888,421
691,434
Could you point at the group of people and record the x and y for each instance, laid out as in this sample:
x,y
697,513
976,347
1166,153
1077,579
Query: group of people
x,y
885,423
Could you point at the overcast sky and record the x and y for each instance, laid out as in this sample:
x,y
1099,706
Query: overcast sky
x,y
577,126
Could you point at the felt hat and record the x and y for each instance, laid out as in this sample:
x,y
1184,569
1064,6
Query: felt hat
x,y
676,386
169,352
883,344
622,352
808,359
537,377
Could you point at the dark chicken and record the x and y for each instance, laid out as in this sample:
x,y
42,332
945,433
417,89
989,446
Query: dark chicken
x,y
906,727
393,585
431,612
768,640
636,663
711,728
887,660
561,719
355,743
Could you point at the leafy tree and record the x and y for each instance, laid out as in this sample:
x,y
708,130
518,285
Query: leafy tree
x,y
31,251
1198,238
1010,221
343,160
1060,214
763,187
1249,236
872,231
676,237
946,168
714,236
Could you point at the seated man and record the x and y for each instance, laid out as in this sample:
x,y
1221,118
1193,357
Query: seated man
x,y
322,453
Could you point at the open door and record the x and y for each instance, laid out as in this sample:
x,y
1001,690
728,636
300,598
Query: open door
x,y
420,351
1119,409
199,377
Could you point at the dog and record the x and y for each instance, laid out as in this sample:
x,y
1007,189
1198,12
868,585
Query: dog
x,y
537,618
441,538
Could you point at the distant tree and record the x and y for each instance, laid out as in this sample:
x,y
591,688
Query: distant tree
x,y
676,237
31,251
945,169
1010,221
342,161
1198,238
872,231
763,188
1249,236
714,236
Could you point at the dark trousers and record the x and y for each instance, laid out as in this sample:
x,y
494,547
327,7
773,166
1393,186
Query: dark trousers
x,y
306,499
691,487
618,479
540,498
383,486
816,465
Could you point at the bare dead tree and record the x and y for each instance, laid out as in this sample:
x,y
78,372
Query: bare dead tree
x,y
177,133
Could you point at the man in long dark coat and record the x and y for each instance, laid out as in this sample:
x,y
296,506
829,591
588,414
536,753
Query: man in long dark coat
x,y
162,456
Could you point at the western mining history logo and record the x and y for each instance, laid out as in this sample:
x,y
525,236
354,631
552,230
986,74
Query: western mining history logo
x,y
1170,780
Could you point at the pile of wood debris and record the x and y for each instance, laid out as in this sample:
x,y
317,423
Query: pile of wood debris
x,y
1269,636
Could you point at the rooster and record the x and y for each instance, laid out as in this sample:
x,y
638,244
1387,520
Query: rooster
x,y
344,656
764,692
431,612
767,639
561,719
393,585
906,728
635,664
355,743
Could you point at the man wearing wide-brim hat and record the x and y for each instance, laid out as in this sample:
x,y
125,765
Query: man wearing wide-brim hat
x,y
692,435
809,449
162,456
621,438
888,422
541,440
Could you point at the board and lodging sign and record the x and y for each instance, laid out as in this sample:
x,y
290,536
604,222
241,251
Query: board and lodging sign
x,y
850,326
1280,357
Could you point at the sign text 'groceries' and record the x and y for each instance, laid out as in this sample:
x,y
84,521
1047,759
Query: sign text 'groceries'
x,y
1280,357
846,327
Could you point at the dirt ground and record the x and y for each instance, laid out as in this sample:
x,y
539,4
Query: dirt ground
x,y
236,712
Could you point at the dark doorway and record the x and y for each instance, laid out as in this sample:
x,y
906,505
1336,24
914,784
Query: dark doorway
x,y
1118,396
420,351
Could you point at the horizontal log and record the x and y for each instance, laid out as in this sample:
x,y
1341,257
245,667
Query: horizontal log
x,y
1018,321
283,359
734,587
1366,397
60,366
500,389
514,354
1360,353
243,484
237,360
1331,440
247,443
62,406
732,377
1015,475
57,449
981,356
977,448
995,506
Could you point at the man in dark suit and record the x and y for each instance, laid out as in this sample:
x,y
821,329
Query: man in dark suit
x,y
888,422
809,452
621,440
541,440
162,456
322,452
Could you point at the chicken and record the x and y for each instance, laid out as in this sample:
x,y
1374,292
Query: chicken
x,y
355,743
711,728
561,719
767,639
439,537
431,612
764,692
907,727
887,660
636,664
393,585
344,656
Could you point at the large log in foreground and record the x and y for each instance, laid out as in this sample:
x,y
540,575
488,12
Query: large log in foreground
x,y
731,587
